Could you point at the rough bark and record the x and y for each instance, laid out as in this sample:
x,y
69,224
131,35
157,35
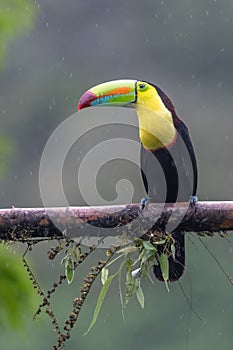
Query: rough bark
x,y
46,223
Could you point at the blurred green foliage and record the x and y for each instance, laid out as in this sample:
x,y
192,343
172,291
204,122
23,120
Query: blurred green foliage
x,y
15,17
6,150
17,297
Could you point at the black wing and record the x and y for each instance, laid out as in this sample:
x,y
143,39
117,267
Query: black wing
x,y
170,174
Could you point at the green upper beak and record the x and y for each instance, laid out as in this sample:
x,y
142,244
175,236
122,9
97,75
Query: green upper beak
x,y
112,93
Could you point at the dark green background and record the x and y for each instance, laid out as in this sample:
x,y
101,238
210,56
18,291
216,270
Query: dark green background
x,y
184,47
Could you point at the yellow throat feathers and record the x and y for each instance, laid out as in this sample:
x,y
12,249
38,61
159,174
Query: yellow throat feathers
x,y
156,127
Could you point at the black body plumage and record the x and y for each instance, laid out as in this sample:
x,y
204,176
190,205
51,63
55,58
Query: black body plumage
x,y
170,175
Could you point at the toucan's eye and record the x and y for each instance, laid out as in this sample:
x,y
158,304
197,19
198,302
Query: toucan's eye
x,y
142,86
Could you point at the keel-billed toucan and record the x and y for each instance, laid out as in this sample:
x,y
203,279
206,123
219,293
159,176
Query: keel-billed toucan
x,y
168,162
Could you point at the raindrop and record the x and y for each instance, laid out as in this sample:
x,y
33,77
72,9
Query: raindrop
x,y
222,50
47,24
207,13
220,84
30,173
96,25
71,75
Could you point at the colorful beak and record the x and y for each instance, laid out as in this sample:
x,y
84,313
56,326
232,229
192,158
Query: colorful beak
x,y
112,93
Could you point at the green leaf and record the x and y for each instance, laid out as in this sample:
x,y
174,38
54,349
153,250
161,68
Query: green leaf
x,y
114,260
129,249
69,270
100,300
173,250
121,296
104,275
164,265
130,281
77,252
140,295
102,295
147,254
162,241
148,246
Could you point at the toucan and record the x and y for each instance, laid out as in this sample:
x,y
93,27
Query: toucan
x,y
168,162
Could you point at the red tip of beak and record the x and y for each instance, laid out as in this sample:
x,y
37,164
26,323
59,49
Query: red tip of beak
x,y
86,99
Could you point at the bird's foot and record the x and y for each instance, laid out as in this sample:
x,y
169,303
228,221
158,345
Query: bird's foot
x,y
143,204
193,201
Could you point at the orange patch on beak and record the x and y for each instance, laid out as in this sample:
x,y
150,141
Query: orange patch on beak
x,y
118,91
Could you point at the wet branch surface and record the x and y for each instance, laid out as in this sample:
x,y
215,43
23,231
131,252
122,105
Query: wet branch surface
x,y
59,222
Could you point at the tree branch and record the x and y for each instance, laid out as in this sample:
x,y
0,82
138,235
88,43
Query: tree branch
x,y
47,223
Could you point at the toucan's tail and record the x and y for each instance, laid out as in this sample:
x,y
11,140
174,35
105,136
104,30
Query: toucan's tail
x,y
176,266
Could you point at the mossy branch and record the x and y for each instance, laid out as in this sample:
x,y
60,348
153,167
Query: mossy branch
x,y
25,224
